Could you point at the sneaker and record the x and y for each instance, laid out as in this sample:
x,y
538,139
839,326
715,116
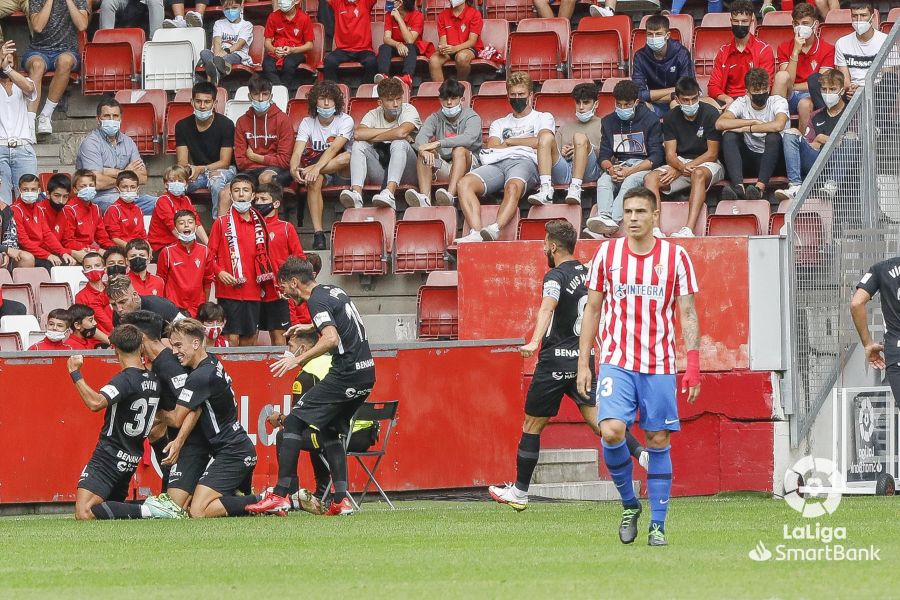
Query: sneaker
x,y
342,508
600,11
405,79
271,504
193,18
644,459
221,66
44,126
754,193
319,242
830,189
443,198
603,223
509,495
163,507
491,233
656,537
304,500
789,193
684,232
176,23
384,198
379,77
573,194
628,526
351,199
542,197
658,233
414,198
473,236
594,236
733,192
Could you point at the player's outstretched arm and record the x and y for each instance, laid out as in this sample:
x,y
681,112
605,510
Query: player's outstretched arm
x,y
92,399
858,311
590,322
690,331
545,314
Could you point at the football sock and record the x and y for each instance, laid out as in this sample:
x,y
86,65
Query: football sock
x,y
116,510
618,462
236,506
322,473
659,484
337,463
158,446
634,446
288,455
527,459
49,107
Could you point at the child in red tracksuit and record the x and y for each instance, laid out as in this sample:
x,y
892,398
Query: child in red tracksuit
x,y
124,220
213,318
83,228
186,266
264,137
34,233
59,190
93,295
145,283
58,325
162,223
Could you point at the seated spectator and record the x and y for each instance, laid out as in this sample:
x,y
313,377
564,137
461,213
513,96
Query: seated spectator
x,y
459,39
59,189
58,326
205,144
123,220
85,334
213,318
508,161
321,153
55,25
289,36
631,145
132,13
185,266
32,230
802,149
11,308
691,143
381,149
352,38
544,9
145,283
243,268
751,142
191,18
570,157
8,7
448,143
11,256
83,229
107,152
403,29
264,137
800,59
855,52
657,66
93,295
734,60
231,40
114,261
163,229
16,127
124,300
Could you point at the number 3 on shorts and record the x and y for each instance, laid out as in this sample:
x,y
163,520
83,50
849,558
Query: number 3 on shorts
x,y
606,387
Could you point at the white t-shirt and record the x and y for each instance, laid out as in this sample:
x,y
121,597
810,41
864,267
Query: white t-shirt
x,y
319,137
231,33
14,121
376,120
510,127
856,55
741,108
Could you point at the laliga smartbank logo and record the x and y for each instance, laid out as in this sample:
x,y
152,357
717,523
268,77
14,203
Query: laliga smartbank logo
x,y
820,481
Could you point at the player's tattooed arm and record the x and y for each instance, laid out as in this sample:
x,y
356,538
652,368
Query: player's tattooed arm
x,y
690,324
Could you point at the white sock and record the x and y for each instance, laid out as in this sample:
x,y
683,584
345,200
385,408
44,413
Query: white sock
x,y
545,180
49,107
145,512
576,182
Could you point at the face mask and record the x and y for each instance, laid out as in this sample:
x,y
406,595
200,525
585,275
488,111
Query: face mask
x,y
138,264
690,110
261,106
391,113
831,99
518,104
57,207
656,43
862,27
187,237
584,117
110,127
203,115
113,270
128,197
286,6
56,336
265,209
326,113
232,14
30,197
89,332
803,31
759,99
455,3
87,193
452,112
213,331
176,188
740,31
242,207
94,275
626,114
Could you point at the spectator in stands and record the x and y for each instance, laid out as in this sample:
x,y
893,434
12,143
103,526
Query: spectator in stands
x,y
403,29
855,52
289,36
321,153
570,156
459,39
508,162
657,66
242,265
631,145
8,7
93,295
213,318
264,137
382,150
59,188
83,229
186,265
32,230
448,146
11,256
231,40
274,314
163,229
605,8
132,13
802,149
545,10
58,325
191,18
107,152
17,156
55,25
800,60
691,143
124,300
751,142
145,283
205,144
114,261
85,334
123,220
734,60
352,38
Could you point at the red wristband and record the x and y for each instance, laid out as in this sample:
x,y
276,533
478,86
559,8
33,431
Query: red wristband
x,y
693,361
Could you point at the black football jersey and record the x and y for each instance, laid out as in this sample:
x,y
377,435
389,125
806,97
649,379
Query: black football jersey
x,y
329,305
132,397
171,377
566,283
884,278
208,387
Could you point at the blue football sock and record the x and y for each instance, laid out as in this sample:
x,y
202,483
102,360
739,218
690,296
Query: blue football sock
x,y
677,5
659,485
618,462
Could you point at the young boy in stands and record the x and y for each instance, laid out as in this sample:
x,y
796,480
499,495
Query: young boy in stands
x,y
85,334
93,295
83,228
213,318
59,190
289,37
58,325
162,224
657,66
35,235
137,253
264,137
734,60
186,266
114,261
124,220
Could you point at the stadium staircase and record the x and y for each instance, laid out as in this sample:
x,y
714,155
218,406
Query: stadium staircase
x,y
572,474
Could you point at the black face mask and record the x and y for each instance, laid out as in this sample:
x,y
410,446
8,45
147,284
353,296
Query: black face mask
x,y
740,31
518,104
264,209
88,333
138,264
759,99
57,207
113,270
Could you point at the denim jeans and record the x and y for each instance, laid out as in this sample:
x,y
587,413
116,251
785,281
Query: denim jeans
x,y
799,157
15,162
215,184
611,195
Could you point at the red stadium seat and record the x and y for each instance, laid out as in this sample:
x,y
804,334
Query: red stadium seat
x,y
810,239
776,222
297,110
492,88
618,23
509,10
774,35
361,241
133,36
732,225
303,92
494,32
24,293
33,276
432,8
489,216
360,106
842,15
532,227
430,89
893,15
561,106
535,52
45,179
595,55
175,112
311,7
367,90
158,98
257,50
107,68
562,27
707,43
438,307
5,277
426,105
610,84
759,208
139,123
55,295
639,38
422,237
778,17
10,342
562,86
378,11
316,56
606,104
490,108
673,216
683,24
712,20
832,32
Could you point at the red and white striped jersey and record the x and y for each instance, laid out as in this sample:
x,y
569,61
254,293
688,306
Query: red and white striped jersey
x,y
637,327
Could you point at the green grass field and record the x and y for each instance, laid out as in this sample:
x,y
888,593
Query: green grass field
x,y
429,549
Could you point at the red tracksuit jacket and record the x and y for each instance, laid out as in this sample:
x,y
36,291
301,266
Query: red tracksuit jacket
x,y
83,226
124,220
186,270
34,231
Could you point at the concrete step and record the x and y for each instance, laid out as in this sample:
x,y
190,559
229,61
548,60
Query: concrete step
x,y
569,455
579,490
386,329
47,151
565,465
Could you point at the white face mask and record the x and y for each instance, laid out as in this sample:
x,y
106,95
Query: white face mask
x,y
57,336
187,237
455,3
242,207
831,99
30,197
803,31
862,27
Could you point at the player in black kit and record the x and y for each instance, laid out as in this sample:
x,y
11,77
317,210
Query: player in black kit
x,y
556,332
883,278
331,404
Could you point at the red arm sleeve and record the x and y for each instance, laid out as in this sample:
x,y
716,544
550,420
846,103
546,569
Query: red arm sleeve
x,y
100,235
26,241
282,156
210,271
69,221
767,61
215,240
162,265
717,77
294,246
240,147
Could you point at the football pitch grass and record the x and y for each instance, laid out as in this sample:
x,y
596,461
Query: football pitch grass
x,y
431,549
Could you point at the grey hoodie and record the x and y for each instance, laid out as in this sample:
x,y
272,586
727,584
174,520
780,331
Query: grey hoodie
x,y
465,131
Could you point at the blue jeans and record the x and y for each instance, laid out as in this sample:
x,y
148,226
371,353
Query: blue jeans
x,y
799,157
15,162
611,195
49,57
214,184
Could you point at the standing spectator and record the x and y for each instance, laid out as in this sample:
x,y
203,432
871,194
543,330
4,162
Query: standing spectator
x,y
59,189
508,162
692,153
107,152
657,66
204,142
264,137
85,335
11,256
213,318
130,13
58,325
163,230
93,295
321,153
33,231
145,283
734,60
459,39
382,151
403,28
55,25
83,228
630,147
17,155
855,52
191,18
289,36
231,40
751,142
448,144
186,265
123,220
352,37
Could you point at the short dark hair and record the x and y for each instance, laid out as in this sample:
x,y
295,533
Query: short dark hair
x,y
586,91
296,267
138,244
126,174
92,255
626,91
657,21
61,314
258,84
126,338
184,213
742,7
451,88
273,189
561,232
210,311
641,192
870,6
204,87
756,78
28,178
316,261
111,251
243,177
84,173
325,89
389,88
306,335
107,101
801,11
150,323
60,181
80,312
687,86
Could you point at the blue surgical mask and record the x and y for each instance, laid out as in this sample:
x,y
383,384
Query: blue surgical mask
x,y
30,197
187,237
242,207
203,115
453,112
656,43
176,188
87,193
261,106
326,113
286,5
110,127
584,117
690,110
626,114
232,14
128,196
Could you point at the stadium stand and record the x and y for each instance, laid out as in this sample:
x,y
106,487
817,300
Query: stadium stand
x,y
437,312
421,238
